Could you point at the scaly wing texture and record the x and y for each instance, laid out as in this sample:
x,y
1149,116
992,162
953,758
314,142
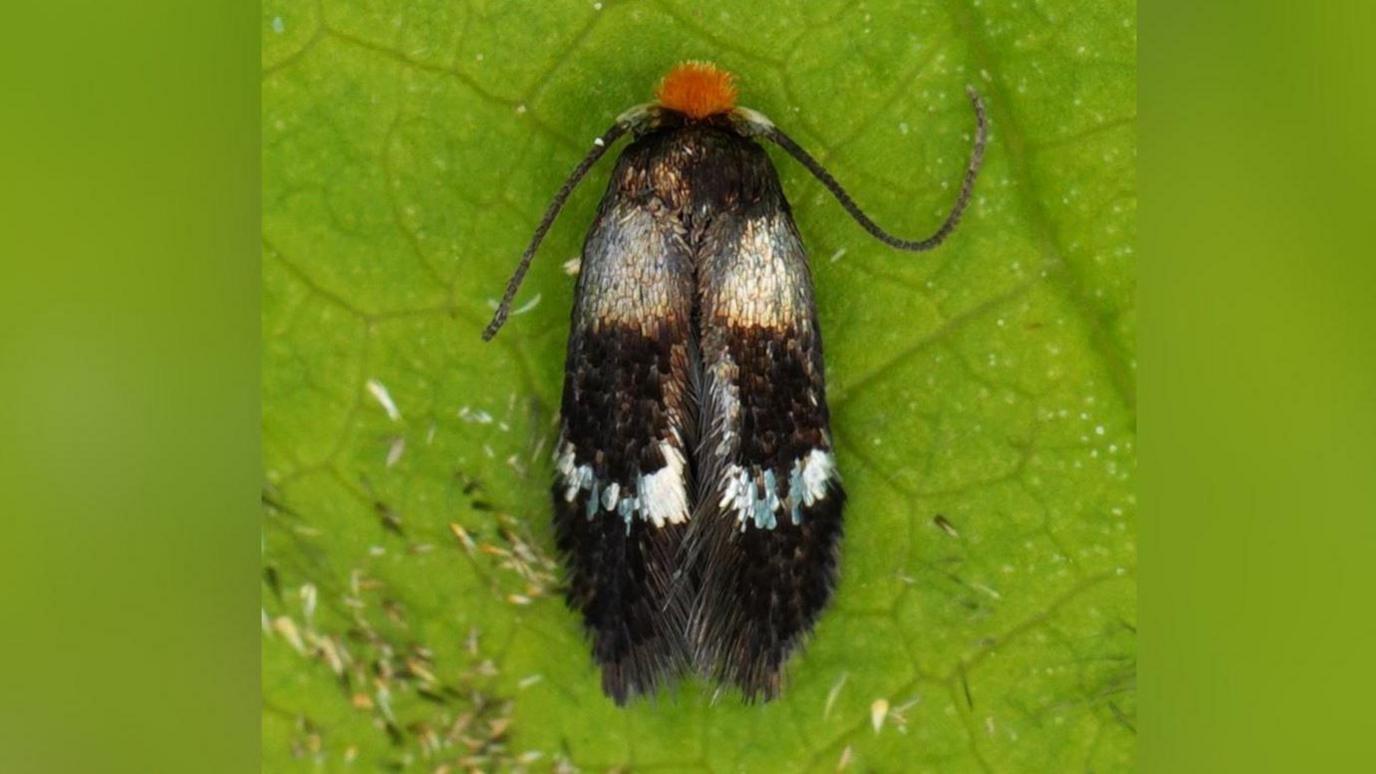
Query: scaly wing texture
x,y
621,494
768,521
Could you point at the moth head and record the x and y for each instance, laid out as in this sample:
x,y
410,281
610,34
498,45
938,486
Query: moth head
x,y
697,92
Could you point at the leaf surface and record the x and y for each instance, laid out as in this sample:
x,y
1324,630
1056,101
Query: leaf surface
x,y
983,394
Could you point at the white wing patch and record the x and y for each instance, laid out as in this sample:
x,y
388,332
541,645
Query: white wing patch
x,y
754,495
663,495
812,475
660,498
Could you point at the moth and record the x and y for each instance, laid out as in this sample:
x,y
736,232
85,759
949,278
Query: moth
x,y
697,500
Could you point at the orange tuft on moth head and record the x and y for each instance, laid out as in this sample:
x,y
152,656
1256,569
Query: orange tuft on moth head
x,y
697,89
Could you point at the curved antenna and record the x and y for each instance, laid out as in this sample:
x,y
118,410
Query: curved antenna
x,y
599,147
916,245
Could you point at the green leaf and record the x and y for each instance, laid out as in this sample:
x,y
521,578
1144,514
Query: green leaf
x,y
983,394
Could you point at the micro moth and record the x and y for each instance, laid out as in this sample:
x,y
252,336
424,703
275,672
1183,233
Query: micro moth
x,y
697,500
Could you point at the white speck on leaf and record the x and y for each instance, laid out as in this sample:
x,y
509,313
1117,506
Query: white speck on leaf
x,y
384,398
833,694
287,628
878,711
477,417
309,596
527,306
986,589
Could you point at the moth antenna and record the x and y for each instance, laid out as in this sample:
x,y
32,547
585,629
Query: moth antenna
x,y
599,147
916,245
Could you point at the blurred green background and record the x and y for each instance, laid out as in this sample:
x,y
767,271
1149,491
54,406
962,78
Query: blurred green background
x,y
129,348
1257,380
983,395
